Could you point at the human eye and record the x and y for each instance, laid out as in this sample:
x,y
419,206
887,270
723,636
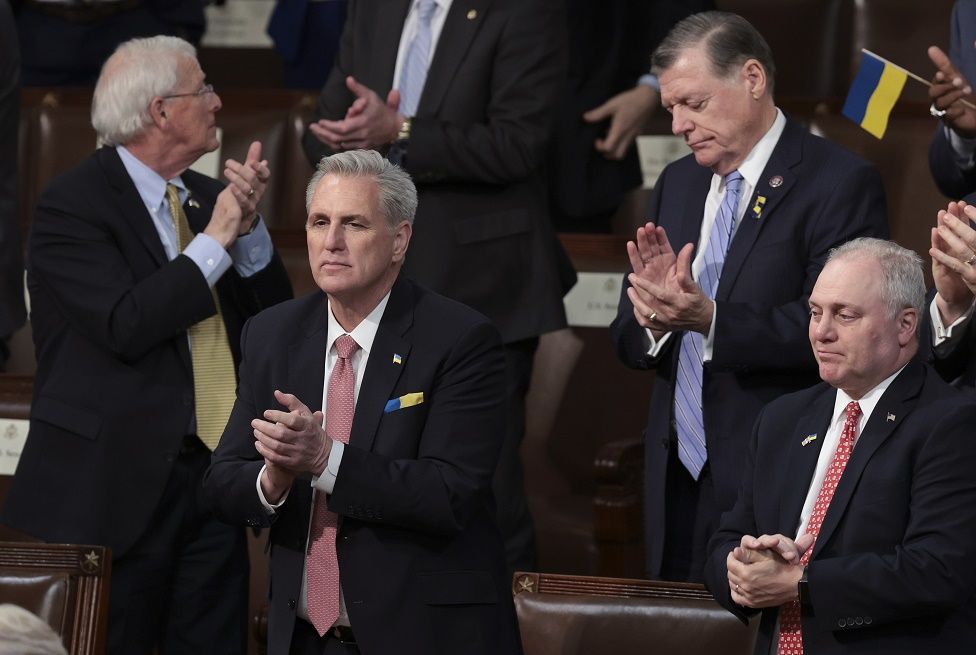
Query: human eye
x,y
317,223
815,313
846,316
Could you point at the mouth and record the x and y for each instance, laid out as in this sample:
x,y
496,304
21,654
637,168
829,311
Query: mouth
x,y
698,145
333,266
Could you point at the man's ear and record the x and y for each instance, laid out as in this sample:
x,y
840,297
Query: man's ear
x,y
401,240
157,111
907,326
754,75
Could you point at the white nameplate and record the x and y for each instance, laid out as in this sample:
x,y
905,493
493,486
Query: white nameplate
x,y
13,434
657,151
593,301
239,24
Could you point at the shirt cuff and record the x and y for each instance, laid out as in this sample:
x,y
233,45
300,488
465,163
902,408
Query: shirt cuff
x,y
650,79
963,149
252,252
654,346
268,507
941,333
209,256
326,482
709,341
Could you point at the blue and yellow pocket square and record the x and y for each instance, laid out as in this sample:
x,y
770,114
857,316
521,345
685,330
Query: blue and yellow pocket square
x,y
406,400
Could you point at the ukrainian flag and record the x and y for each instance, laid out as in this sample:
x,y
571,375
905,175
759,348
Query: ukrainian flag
x,y
874,92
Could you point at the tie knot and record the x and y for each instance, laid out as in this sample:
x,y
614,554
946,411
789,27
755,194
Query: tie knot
x,y
853,411
425,9
173,193
346,346
733,181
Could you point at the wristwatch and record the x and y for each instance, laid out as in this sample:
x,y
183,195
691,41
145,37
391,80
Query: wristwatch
x,y
254,226
803,590
398,149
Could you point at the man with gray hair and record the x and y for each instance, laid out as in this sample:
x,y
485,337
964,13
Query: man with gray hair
x,y
368,422
141,274
716,301
855,525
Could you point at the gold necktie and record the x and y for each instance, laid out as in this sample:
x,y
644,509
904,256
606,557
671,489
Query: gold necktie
x,y
214,381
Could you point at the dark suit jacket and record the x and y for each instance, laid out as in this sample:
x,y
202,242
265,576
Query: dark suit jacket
x,y
827,196
951,180
892,569
482,234
12,312
420,558
113,393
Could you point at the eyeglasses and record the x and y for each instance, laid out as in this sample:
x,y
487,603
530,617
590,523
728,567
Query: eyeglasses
x,y
207,88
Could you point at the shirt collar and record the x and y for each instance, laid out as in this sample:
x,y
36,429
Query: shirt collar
x,y
364,333
150,185
867,403
755,162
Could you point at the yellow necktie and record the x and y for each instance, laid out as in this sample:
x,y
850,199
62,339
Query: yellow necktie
x,y
214,381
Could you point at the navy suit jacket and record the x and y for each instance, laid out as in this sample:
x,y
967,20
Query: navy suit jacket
x,y
892,568
420,559
825,196
476,151
113,392
951,180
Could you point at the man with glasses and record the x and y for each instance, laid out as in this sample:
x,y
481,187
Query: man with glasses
x,y
141,274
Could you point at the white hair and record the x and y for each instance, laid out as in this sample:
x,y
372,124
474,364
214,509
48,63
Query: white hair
x,y
23,633
137,71
902,280
397,193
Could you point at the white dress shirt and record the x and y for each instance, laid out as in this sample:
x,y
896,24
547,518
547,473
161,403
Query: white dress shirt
x,y
750,169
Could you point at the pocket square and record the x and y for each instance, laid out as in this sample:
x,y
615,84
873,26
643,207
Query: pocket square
x,y
406,400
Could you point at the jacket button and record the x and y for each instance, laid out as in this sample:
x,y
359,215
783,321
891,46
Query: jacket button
x,y
858,620
291,603
842,623
868,620
664,443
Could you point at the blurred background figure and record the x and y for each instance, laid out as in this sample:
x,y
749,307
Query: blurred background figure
x,y
306,36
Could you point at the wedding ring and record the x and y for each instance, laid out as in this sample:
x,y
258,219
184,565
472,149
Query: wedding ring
x,y
936,113
737,589
971,260
653,315
250,192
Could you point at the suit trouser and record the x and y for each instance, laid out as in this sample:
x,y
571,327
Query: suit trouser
x,y
184,585
691,519
512,507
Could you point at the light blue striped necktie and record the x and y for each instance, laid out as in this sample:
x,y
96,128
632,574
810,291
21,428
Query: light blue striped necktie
x,y
689,423
414,72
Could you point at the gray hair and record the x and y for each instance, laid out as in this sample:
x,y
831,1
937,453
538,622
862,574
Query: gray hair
x,y
137,71
23,633
902,279
729,40
397,193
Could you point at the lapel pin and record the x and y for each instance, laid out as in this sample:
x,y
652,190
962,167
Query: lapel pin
x,y
397,359
891,417
808,439
472,14
758,207
193,203
776,181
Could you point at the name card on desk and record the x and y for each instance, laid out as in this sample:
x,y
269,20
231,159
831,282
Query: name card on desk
x,y
239,24
593,301
657,151
13,434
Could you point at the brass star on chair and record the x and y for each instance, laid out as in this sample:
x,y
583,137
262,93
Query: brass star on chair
x,y
91,562
526,583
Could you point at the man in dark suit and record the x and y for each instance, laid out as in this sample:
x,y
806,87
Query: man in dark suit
x,y
855,525
723,324
952,151
136,325
465,92
382,538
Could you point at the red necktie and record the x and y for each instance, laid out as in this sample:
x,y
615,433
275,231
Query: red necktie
x,y
321,563
790,634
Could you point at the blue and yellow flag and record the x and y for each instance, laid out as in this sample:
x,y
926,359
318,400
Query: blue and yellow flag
x,y
873,93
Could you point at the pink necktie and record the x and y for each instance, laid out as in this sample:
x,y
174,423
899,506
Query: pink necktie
x,y
790,634
321,562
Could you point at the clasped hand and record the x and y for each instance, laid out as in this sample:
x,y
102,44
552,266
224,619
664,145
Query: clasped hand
x,y
764,571
292,441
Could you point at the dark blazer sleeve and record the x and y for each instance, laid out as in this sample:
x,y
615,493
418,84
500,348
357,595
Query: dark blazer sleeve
x,y
953,181
853,205
75,257
930,570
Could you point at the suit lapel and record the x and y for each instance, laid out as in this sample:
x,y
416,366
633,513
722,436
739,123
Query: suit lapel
x,y
462,23
774,184
803,450
388,22
689,229
306,357
130,204
896,402
382,372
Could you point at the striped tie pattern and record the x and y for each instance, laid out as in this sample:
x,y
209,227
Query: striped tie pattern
x,y
790,633
322,565
414,73
689,424
214,379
